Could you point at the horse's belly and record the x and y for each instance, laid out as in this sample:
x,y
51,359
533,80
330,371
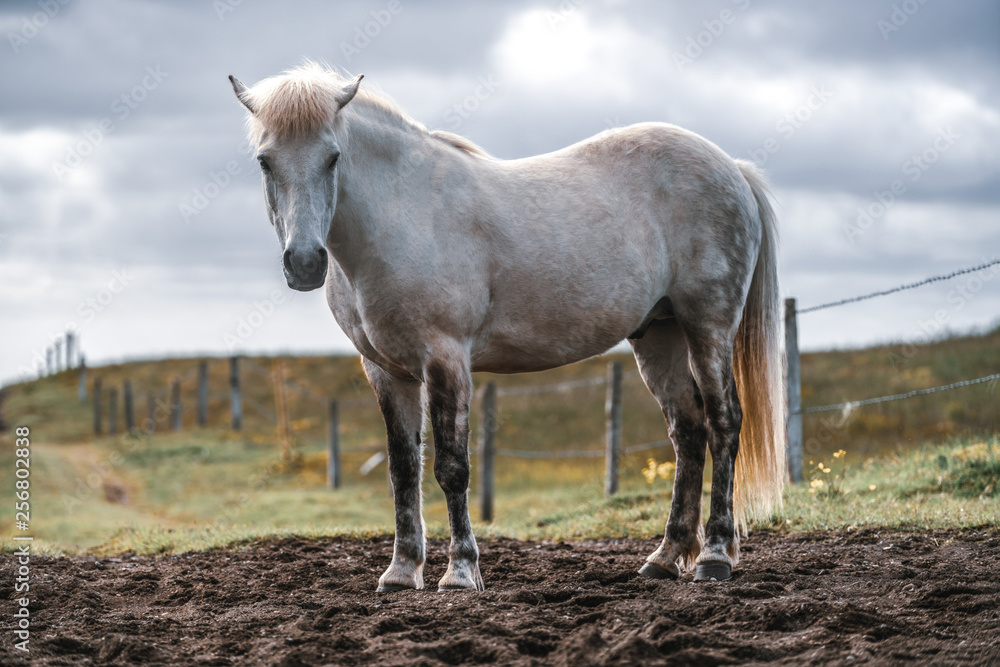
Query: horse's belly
x,y
545,345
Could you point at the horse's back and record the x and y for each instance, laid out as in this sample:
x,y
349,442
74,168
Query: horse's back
x,y
591,237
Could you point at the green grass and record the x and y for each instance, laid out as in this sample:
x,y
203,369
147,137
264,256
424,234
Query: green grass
x,y
843,375
950,485
932,459
188,493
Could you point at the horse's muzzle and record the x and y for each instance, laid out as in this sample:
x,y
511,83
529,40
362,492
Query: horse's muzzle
x,y
305,271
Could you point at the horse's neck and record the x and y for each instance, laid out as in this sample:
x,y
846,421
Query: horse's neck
x,y
378,161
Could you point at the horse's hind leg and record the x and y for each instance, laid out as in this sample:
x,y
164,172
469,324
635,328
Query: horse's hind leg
x,y
662,355
399,401
449,391
711,357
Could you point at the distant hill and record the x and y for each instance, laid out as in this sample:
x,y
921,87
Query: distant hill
x,y
568,419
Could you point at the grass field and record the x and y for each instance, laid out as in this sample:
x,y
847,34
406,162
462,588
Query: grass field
x,y
922,463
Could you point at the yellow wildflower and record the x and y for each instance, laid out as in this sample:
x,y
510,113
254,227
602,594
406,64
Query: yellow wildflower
x,y
650,472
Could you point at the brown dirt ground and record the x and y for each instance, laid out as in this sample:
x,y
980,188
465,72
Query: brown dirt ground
x,y
834,597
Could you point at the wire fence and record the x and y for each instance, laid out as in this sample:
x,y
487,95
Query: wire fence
x,y
840,407
569,385
900,288
278,415
850,405
578,453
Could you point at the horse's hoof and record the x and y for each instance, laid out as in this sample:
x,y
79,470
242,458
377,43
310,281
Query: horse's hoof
x,y
654,571
712,571
393,588
454,587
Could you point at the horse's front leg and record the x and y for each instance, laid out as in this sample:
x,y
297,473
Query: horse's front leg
x,y
449,391
399,401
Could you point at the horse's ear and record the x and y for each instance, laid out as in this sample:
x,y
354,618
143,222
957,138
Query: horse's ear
x,y
350,90
241,93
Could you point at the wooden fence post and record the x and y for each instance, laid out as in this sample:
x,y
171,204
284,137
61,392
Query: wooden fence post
x,y
97,406
487,451
129,406
69,350
48,361
235,400
113,411
793,385
175,405
333,448
58,354
150,412
281,409
202,393
81,384
613,412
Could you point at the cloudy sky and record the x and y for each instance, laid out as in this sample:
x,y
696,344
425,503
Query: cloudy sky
x,y
130,209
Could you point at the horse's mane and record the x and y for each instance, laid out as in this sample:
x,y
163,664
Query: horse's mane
x,y
461,143
304,99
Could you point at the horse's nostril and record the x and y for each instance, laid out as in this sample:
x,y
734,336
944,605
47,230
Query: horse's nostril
x,y
314,262
303,264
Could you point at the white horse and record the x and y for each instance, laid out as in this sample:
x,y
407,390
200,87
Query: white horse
x,y
440,260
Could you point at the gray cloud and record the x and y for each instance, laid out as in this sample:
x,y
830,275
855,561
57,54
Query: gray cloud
x,y
564,73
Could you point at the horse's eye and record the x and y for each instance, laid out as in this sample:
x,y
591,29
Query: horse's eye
x,y
333,161
264,166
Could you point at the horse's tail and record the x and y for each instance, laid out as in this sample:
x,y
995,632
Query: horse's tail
x,y
759,372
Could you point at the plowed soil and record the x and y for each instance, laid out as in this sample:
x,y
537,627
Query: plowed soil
x,y
835,597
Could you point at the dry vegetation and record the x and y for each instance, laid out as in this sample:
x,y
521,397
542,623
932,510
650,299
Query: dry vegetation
x,y
927,461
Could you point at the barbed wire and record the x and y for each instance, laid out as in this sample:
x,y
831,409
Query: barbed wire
x,y
576,453
908,286
305,392
896,397
261,410
561,386
356,449
536,454
545,388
